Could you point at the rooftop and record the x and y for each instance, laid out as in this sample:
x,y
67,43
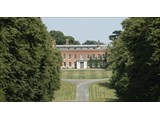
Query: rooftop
x,y
82,46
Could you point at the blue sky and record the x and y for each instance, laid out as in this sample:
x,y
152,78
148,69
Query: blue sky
x,y
83,29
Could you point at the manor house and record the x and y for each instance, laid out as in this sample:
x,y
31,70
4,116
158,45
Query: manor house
x,y
82,56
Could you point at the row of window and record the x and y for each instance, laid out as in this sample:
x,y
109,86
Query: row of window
x,y
70,63
88,56
79,48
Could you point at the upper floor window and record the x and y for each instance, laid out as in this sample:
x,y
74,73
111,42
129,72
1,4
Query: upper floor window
x,y
75,56
81,57
99,55
69,56
88,56
93,55
64,55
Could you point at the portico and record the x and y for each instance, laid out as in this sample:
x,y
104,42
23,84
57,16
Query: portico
x,y
81,64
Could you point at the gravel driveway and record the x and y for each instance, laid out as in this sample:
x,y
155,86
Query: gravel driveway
x,y
82,88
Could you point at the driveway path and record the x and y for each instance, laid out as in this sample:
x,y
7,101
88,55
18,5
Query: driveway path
x,y
82,87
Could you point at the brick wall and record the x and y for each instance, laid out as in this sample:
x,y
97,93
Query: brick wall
x,y
80,55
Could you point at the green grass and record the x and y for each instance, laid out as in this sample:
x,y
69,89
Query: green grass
x,y
101,92
67,92
85,74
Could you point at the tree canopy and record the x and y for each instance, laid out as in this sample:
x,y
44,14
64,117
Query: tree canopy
x,y
135,58
115,35
72,41
29,66
92,42
60,38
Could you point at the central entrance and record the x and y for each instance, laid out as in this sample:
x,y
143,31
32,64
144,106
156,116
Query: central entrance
x,y
81,65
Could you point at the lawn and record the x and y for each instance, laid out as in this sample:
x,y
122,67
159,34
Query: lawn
x,y
101,92
85,74
66,92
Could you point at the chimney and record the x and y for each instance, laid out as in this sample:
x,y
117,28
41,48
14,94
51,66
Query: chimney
x,y
53,43
98,43
67,41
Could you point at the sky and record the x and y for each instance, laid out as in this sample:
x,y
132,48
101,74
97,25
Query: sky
x,y
83,29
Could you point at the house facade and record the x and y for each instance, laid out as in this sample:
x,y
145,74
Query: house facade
x,y
82,56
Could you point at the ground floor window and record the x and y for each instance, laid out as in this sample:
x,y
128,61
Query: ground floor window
x,y
64,63
70,63
75,64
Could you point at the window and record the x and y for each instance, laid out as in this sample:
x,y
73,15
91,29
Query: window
x,y
75,56
69,56
64,56
99,55
70,63
93,55
64,63
81,57
88,55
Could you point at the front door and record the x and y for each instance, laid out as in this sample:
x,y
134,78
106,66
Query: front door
x,y
75,65
81,64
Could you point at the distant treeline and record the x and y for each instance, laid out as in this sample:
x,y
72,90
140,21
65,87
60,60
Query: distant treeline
x,y
60,39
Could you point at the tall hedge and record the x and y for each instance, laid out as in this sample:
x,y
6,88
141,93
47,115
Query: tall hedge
x,y
29,66
135,58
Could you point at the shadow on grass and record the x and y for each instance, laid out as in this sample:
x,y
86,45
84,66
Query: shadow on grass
x,y
106,84
107,100
112,100
109,86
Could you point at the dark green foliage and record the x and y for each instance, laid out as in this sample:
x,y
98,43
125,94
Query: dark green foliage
x,y
96,62
105,60
90,62
58,36
76,42
2,96
29,66
101,62
115,35
72,41
135,58
91,42
61,38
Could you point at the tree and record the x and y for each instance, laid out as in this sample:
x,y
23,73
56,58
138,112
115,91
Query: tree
x,y
29,66
115,35
59,37
96,62
72,41
2,96
105,60
90,62
135,58
101,62
76,42
91,42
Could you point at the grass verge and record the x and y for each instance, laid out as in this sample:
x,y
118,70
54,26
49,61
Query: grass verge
x,y
102,92
85,74
67,92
